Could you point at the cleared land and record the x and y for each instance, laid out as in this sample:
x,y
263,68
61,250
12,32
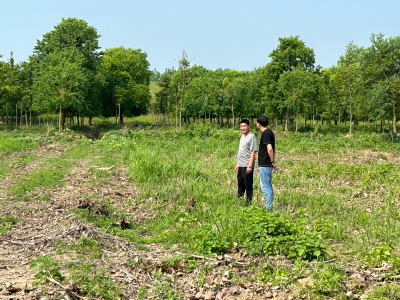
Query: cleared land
x,y
144,212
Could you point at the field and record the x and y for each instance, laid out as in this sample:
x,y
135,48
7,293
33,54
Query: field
x,y
146,212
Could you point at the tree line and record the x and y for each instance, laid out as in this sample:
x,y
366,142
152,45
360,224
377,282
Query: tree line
x,y
68,75
363,86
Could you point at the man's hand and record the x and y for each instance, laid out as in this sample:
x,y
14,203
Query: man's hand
x,y
249,170
273,165
237,168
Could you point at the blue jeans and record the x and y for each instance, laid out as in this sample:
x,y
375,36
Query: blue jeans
x,y
266,185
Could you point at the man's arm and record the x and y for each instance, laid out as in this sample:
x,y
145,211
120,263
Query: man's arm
x,y
250,165
271,155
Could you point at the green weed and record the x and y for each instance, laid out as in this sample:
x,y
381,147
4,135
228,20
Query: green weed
x,y
389,291
8,223
48,269
93,281
163,287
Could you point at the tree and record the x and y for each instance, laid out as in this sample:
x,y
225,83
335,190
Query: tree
x,y
291,53
10,91
380,63
180,81
379,104
297,86
71,32
155,76
349,75
127,77
76,34
328,92
163,97
234,95
61,81
184,64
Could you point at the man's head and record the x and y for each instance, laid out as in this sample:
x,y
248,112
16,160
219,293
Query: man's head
x,y
244,126
262,121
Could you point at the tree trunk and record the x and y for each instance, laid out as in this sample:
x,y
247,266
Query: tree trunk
x,y
7,113
394,117
297,117
90,121
16,115
61,120
351,118
287,120
313,119
233,117
26,118
121,117
30,118
176,116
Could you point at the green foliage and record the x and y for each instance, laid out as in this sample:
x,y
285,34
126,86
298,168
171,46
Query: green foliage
x,y
127,76
45,178
5,228
47,268
277,275
207,240
61,82
163,287
329,281
388,291
16,142
93,281
383,254
271,234
9,220
88,247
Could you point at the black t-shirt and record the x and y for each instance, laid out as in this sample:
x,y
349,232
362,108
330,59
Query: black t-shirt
x,y
267,137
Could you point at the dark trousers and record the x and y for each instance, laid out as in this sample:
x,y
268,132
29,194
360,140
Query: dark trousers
x,y
245,183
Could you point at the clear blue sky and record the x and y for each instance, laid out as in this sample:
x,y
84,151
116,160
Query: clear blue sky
x,y
217,34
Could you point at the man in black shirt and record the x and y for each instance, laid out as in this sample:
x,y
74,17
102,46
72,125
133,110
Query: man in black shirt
x,y
266,159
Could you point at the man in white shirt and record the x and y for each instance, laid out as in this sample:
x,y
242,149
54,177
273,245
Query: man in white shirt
x,y
246,161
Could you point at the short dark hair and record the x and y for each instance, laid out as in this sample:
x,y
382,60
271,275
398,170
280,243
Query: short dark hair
x,y
262,120
244,121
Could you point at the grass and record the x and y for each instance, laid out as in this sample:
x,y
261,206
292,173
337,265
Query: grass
x,y
16,142
336,197
6,223
47,177
154,88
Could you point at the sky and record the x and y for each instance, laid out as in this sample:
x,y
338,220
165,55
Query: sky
x,y
215,34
